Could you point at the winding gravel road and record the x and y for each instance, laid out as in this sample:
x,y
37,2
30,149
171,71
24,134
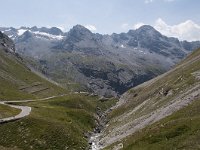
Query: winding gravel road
x,y
25,110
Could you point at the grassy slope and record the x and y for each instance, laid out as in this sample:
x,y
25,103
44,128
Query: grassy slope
x,y
176,81
178,131
181,130
18,82
6,111
59,123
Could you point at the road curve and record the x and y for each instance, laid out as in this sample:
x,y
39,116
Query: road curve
x,y
25,110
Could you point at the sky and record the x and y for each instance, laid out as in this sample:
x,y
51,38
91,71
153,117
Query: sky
x,y
177,18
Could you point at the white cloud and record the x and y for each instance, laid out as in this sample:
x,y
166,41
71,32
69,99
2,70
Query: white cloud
x,y
61,28
187,30
138,25
125,26
91,27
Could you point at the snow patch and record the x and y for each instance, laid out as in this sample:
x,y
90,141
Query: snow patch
x,y
7,30
122,46
21,31
10,36
50,36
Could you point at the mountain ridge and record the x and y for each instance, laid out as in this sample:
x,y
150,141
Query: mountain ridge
x,y
108,65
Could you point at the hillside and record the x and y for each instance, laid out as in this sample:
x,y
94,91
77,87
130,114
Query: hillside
x,y
107,65
159,114
18,81
57,119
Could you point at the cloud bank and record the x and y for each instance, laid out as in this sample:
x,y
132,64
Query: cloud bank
x,y
91,27
138,25
187,30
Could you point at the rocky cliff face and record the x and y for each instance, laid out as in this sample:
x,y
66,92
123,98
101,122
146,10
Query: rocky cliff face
x,y
6,43
106,64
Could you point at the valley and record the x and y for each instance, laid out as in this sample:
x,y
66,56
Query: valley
x,y
83,90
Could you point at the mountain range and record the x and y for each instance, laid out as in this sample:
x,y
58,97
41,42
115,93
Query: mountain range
x,y
107,65
162,113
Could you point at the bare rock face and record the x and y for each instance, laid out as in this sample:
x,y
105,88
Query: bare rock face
x,y
6,43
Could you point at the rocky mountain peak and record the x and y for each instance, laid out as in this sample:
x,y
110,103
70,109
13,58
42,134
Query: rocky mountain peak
x,y
146,27
78,33
147,30
55,31
25,36
34,28
79,30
